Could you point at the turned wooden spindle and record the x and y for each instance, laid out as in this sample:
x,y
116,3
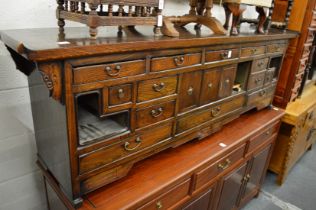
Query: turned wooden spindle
x,y
208,7
193,7
148,11
61,21
110,10
72,6
83,7
157,29
270,16
120,10
288,13
93,12
130,11
66,7
138,11
101,8
76,6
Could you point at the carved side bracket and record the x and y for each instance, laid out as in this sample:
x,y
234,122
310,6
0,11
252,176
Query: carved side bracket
x,y
52,77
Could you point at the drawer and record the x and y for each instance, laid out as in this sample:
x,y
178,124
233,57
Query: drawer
x,y
210,85
156,88
206,175
276,48
124,149
256,80
154,114
313,22
120,94
108,71
195,119
310,35
261,137
227,81
252,51
221,55
260,64
170,199
174,62
269,77
306,50
261,98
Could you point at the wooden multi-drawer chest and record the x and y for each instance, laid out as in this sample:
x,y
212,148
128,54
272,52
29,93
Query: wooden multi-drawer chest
x,y
117,100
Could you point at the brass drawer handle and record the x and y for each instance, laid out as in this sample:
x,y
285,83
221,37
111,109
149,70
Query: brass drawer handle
x,y
210,85
156,113
253,51
258,80
262,93
225,55
159,87
159,205
268,133
113,72
227,81
190,91
247,178
224,165
138,141
121,93
260,64
179,61
216,111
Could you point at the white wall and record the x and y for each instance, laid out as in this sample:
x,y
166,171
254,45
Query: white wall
x,y
20,181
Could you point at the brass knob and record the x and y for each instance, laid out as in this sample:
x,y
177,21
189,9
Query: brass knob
x,y
227,81
224,165
190,91
179,60
158,87
121,93
210,85
157,113
118,67
159,205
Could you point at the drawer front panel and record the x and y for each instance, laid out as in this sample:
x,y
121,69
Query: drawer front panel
x,y
124,149
260,64
120,94
190,90
227,81
256,80
156,88
276,48
169,199
261,98
154,114
174,62
210,86
252,51
221,55
108,71
206,175
269,77
195,119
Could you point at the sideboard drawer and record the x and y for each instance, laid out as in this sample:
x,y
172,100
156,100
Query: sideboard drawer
x,y
173,62
269,76
221,55
108,71
124,149
156,88
276,48
206,175
120,94
256,80
261,98
169,199
154,114
252,51
260,64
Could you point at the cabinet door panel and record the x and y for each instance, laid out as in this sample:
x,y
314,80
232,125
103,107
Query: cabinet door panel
x,y
189,90
201,203
232,184
209,90
227,81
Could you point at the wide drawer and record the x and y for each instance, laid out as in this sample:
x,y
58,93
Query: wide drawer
x,y
260,64
221,55
252,51
173,62
156,88
170,199
206,175
197,118
256,80
124,149
108,71
276,48
154,114
120,94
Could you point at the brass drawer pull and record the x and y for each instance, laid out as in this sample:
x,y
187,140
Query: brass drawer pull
x,y
190,91
121,93
225,55
179,61
258,80
260,64
262,93
253,51
159,205
268,133
210,85
247,178
159,87
138,141
156,113
216,111
112,72
224,165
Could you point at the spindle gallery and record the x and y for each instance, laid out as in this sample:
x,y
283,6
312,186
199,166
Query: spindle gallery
x,y
95,13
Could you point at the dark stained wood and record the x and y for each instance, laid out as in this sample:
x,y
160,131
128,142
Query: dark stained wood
x,y
219,55
120,94
202,203
260,64
210,85
252,51
227,81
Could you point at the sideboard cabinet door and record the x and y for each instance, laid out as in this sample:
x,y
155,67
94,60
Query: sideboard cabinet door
x,y
203,202
227,81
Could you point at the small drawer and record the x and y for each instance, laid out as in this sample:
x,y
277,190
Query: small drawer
x,y
269,77
124,149
310,35
256,80
120,94
156,88
261,98
170,199
260,64
174,62
154,114
108,71
252,51
276,48
261,137
221,55
206,175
